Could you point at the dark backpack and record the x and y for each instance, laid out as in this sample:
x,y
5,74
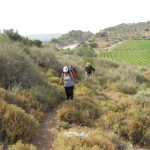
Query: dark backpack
x,y
89,69
73,70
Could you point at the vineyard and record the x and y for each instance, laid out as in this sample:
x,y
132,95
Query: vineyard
x,y
132,52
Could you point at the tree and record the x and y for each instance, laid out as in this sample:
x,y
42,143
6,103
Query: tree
x,y
88,53
12,35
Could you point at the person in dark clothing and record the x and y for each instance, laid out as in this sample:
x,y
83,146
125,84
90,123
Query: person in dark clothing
x,y
89,69
69,82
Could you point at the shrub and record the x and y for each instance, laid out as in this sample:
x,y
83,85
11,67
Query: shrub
x,y
14,36
24,99
107,63
135,131
79,112
20,146
44,58
16,124
83,90
16,67
143,98
141,78
95,140
146,138
48,95
110,105
127,88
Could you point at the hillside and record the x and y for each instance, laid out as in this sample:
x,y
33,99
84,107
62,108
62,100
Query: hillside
x,y
72,37
112,35
110,110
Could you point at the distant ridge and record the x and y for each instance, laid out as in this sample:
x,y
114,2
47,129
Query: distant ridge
x,y
44,37
71,38
125,31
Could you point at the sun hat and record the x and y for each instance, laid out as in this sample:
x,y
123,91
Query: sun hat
x,y
65,69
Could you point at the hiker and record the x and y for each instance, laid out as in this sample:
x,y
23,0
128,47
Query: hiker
x,y
73,70
69,82
89,69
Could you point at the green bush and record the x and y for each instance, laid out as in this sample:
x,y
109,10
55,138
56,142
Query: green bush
x,y
14,36
23,99
94,140
141,78
44,58
146,138
143,97
49,95
20,146
126,88
107,63
16,68
79,112
16,124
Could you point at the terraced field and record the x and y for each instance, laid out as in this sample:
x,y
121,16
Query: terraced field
x,y
131,52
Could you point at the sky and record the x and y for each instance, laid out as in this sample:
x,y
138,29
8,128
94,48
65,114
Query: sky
x,y
62,16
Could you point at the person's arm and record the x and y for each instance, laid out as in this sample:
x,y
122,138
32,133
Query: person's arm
x,y
93,70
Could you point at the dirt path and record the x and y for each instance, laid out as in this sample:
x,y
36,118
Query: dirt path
x,y
46,133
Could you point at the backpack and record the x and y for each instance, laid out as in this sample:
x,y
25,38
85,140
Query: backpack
x,y
89,69
73,70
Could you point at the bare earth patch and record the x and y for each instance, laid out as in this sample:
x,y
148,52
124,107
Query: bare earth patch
x,y
46,133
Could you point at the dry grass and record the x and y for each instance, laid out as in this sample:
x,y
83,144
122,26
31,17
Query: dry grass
x,y
21,146
94,140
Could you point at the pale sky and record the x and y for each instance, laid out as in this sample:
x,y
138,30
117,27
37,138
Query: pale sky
x,y
61,16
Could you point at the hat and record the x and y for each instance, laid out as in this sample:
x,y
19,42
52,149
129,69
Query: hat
x,y
65,69
88,64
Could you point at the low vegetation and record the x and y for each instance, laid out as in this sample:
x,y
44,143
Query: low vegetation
x,y
108,106
129,52
130,31
110,110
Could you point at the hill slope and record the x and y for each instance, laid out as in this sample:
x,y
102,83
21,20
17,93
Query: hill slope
x,y
72,37
112,35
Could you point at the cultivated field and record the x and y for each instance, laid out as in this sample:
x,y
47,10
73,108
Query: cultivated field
x,y
132,52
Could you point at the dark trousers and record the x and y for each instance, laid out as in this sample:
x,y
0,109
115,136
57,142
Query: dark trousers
x,y
69,92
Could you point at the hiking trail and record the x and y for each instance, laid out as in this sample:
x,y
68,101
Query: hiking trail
x,y
46,133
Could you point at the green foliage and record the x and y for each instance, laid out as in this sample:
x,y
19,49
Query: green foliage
x,y
79,112
93,44
20,146
14,36
127,88
87,53
146,138
44,58
143,97
48,95
23,99
16,124
129,52
123,32
74,36
16,67
95,140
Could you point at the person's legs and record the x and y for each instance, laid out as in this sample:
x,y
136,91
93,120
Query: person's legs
x,y
71,92
67,92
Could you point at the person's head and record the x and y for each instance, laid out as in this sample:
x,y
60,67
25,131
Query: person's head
x,y
65,69
88,64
